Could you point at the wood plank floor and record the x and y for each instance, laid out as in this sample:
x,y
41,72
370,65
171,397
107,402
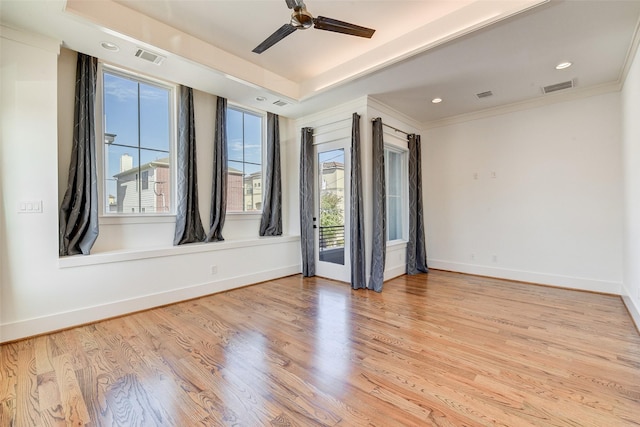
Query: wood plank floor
x,y
439,349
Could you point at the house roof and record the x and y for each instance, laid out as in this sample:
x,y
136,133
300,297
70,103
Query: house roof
x,y
159,163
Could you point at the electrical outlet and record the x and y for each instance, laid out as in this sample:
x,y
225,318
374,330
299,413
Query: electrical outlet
x,y
214,269
495,258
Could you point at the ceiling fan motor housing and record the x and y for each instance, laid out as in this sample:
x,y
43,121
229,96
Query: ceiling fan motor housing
x,y
301,19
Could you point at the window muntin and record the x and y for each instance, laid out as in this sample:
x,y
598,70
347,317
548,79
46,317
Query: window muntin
x,y
244,154
396,193
138,136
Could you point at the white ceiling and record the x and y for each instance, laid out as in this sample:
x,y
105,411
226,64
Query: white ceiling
x,y
421,49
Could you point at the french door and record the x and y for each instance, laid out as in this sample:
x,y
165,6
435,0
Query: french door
x,y
331,221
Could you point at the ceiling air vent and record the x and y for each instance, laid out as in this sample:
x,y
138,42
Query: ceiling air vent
x,y
484,94
558,86
149,56
280,103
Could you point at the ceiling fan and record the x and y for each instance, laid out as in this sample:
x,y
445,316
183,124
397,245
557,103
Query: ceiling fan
x,y
301,19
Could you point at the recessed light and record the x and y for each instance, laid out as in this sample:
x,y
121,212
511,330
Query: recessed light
x,y
260,98
110,46
563,65
436,100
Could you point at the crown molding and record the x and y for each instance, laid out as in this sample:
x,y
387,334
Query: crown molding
x,y
31,39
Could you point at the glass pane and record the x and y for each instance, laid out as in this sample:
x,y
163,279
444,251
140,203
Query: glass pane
x,y
155,182
394,168
154,117
332,206
121,166
394,220
394,185
244,152
137,124
252,139
235,135
235,190
121,110
253,187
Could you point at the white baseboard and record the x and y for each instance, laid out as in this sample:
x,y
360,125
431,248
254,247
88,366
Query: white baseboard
x,y
634,311
395,272
632,307
580,283
40,325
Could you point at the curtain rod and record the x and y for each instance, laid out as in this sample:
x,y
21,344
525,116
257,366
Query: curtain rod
x,y
391,127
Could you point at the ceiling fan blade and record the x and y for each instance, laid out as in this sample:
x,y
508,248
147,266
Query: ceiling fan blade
x,y
334,25
274,38
292,4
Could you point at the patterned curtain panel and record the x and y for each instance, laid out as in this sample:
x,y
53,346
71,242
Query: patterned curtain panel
x,y
188,223
79,210
379,210
306,203
416,252
271,221
358,275
220,169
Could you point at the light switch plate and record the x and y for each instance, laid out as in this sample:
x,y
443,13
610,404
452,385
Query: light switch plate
x,y
30,206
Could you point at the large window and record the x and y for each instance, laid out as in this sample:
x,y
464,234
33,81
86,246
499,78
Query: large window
x,y
138,136
244,152
396,186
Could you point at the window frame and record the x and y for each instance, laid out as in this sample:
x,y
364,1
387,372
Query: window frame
x,y
404,192
103,206
263,150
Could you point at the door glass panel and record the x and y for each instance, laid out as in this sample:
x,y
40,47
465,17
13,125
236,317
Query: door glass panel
x,y
331,186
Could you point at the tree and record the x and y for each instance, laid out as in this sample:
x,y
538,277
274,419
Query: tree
x,y
331,215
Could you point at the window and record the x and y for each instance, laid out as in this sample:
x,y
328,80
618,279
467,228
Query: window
x,y
138,134
244,153
396,187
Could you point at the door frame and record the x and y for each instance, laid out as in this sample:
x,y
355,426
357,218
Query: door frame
x,y
327,269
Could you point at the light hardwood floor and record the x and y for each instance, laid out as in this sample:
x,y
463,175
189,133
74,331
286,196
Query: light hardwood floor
x,y
439,349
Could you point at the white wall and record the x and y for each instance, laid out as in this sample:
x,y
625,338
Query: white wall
x,y
553,212
631,156
133,266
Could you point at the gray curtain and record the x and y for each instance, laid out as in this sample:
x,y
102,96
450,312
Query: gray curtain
x,y
358,275
379,210
220,168
271,221
416,252
306,203
188,223
78,229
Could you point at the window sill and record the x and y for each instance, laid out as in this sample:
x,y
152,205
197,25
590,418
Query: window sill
x,y
136,219
160,219
397,244
243,216
139,254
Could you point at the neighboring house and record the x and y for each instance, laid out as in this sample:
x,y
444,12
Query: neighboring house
x,y
144,189
234,190
333,177
253,192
